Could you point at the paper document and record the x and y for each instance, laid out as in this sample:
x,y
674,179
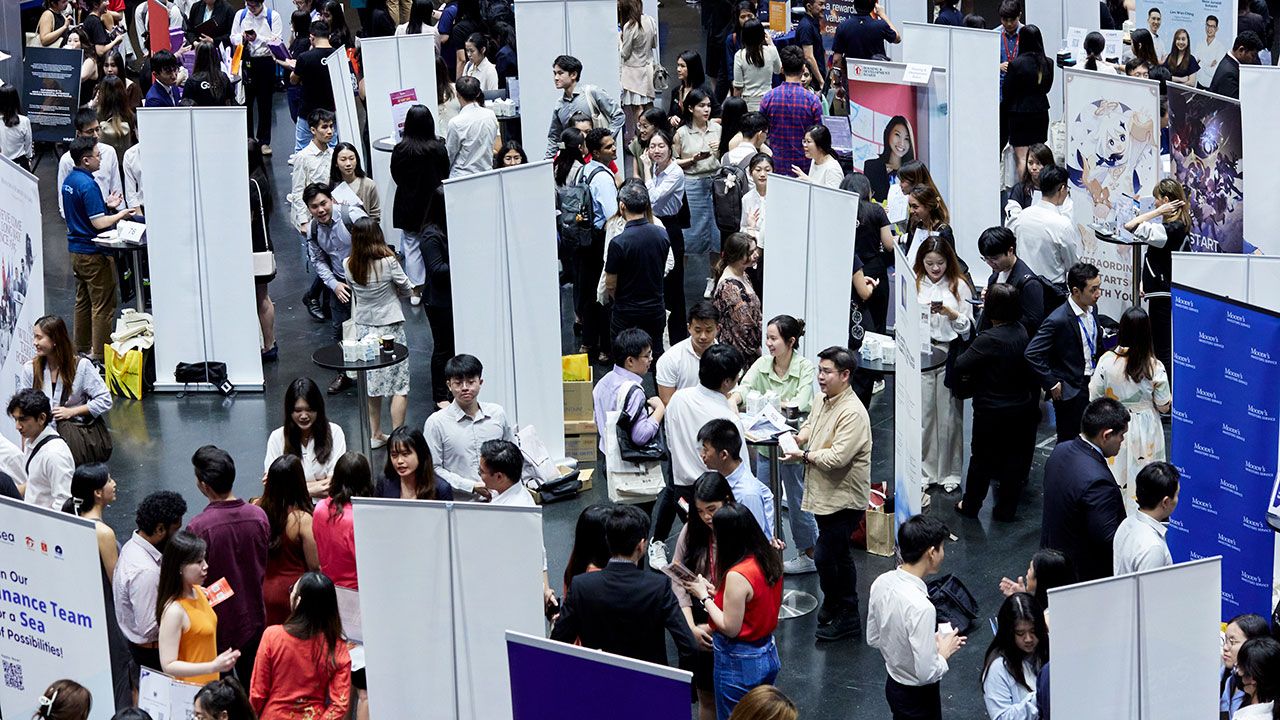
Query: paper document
x,y
787,444
765,424
349,611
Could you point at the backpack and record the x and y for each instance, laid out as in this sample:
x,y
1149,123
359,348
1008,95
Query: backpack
x,y
575,216
728,186
1054,295
497,11
240,16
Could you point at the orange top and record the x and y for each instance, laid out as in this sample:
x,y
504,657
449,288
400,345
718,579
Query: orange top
x,y
199,643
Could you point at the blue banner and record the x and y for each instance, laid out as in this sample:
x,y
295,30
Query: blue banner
x,y
1225,441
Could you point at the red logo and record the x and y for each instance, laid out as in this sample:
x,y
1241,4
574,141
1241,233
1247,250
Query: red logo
x,y
44,548
31,543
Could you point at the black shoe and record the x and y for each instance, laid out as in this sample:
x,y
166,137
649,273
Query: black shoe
x,y
340,383
966,512
825,616
314,309
846,625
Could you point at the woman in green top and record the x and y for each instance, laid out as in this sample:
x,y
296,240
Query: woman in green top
x,y
790,376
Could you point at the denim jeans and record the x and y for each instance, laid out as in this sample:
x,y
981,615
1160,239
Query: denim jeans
x,y
804,529
739,667
703,236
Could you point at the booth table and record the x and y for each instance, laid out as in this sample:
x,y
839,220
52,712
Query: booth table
x,y
135,251
795,603
1108,236
330,358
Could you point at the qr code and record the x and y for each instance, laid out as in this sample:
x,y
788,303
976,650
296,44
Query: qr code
x,y
13,675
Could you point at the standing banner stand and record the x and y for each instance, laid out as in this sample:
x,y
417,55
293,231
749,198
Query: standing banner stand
x,y
477,574
973,185
1226,366
810,258
1191,15
506,291
21,275
1113,155
545,29
394,64
910,337
1144,646
548,678
1259,106
52,608
51,92
1206,146
195,176
344,101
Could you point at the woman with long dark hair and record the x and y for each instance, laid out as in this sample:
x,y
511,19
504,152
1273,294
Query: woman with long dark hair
x,y
742,606
419,165
1164,230
873,245
568,161
188,625
76,391
735,297
824,168
478,64
1181,63
649,121
303,667
755,65
291,549
941,287
116,121
333,526
927,217
1095,43
339,32
899,148
1240,629
1039,157
223,700
510,154
690,76
16,141
208,86
1026,94
1047,570
409,473
1014,658
345,168
505,59
696,150
665,182
261,203
307,434
590,551
1143,47
731,113
421,21
1132,374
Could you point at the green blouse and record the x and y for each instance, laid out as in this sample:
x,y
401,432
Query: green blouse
x,y
796,386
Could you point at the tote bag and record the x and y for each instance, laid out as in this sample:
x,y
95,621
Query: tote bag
x,y
628,482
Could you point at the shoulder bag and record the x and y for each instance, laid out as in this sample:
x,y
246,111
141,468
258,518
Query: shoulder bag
x,y
264,263
628,481
86,435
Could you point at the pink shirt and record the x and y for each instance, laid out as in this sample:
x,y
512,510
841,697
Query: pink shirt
x,y
336,543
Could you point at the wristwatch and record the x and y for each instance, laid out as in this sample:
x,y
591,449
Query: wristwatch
x,y
703,600
805,457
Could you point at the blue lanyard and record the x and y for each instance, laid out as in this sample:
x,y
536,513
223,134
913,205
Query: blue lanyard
x,y
1088,337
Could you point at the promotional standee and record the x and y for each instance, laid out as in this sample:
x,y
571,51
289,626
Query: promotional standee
x,y
1259,107
1226,368
1205,141
908,394
1210,26
51,92
50,626
21,275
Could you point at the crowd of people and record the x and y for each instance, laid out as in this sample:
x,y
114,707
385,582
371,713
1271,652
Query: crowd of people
x,y
639,188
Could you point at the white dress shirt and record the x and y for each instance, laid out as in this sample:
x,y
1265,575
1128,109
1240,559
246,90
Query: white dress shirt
x,y
902,624
135,585
87,388
688,411
455,439
15,142
515,496
310,165
485,72
1087,325
678,367
311,467
941,327
107,175
1259,711
1209,55
666,190
753,202
268,28
12,461
469,140
133,176
1047,241
49,472
1139,544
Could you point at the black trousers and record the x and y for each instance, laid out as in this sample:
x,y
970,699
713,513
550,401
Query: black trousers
x,y
913,702
441,321
588,263
833,554
673,284
653,325
1160,309
258,93
1069,413
664,514
1004,443
248,653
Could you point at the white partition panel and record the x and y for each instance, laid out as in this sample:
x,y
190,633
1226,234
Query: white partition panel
x,y
1259,107
1246,278
902,12
1179,669
505,291
926,44
392,64
1049,15
809,258
344,100
1081,13
585,29
195,176
1095,658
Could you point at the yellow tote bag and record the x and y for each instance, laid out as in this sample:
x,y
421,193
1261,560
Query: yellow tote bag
x,y
124,372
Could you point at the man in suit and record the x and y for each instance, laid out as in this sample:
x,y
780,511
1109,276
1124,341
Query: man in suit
x,y
999,248
1244,51
1082,503
623,609
1066,347
164,91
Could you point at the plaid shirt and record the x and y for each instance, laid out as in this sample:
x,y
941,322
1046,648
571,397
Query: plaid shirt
x,y
791,110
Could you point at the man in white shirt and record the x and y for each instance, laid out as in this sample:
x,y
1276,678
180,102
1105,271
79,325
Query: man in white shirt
x,y
1139,543
257,28
137,575
472,137
755,132
108,173
501,464
678,367
133,176
690,409
48,464
12,463
1154,20
312,164
902,623
1210,52
456,433
1048,241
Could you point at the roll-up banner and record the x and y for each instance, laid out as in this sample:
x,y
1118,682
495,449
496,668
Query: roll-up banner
x,y
1206,144
51,92
21,275
911,336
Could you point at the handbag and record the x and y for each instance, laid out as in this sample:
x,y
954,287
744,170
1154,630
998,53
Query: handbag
x,y
212,372
653,451
628,482
661,79
953,602
264,263
87,437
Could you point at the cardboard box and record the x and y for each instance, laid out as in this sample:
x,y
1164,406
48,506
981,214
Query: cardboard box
x,y
578,404
582,447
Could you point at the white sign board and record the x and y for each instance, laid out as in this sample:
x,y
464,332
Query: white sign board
x,y
908,392
22,265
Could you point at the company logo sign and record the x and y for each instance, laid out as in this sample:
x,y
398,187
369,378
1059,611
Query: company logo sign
x,y
1261,356
1262,414
1255,469
1234,376
1207,339
1185,303
1232,432
1238,320
1183,361
1229,487
1182,417
1204,505
1204,451
1207,396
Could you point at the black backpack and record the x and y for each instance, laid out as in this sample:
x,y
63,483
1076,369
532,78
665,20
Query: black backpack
x,y
1054,295
575,216
728,186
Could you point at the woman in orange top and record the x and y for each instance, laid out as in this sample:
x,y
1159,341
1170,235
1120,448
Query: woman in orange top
x,y
744,611
188,625
303,668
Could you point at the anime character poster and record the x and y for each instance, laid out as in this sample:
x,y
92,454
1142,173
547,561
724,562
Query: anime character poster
x,y
1206,145
1113,151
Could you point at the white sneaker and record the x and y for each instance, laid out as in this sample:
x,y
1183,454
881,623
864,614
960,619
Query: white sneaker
x,y
415,300
657,555
799,565
951,486
924,499
877,387
711,288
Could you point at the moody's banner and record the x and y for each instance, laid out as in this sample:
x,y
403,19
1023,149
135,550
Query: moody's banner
x,y
1226,401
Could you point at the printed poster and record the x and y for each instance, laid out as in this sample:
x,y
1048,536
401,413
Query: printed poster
x,y
51,92
21,275
1208,159
1210,26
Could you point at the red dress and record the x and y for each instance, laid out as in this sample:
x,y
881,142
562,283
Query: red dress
x,y
295,679
286,562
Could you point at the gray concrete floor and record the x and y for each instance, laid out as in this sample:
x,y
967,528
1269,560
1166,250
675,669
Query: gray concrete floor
x,y
155,437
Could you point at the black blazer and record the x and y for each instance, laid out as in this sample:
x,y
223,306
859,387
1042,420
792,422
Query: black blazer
x,y
624,610
1226,79
1056,353
1030,294
1023,92
995,370
1082,508
222,16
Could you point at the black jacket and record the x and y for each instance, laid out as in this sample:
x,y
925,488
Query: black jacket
x,y
995,370
1082,508
1023,91
1226,79
418,179
624,610
222,16
435,254
1030,294
1056,353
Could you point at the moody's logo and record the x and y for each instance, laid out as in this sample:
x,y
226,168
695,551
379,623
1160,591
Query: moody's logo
x,y
1256,469
1255,525
1204,450
1186,304
1181,416
1258,413
1228,542
1183,361
1204,505
1229,598
1229,487
1210,340
1207,396
1232,432
1260,356
1234,376
1175,524
1237,319
1253,580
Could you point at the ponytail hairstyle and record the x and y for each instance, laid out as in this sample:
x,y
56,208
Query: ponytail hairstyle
x,y
87,480
64,700
790,329
1094,45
